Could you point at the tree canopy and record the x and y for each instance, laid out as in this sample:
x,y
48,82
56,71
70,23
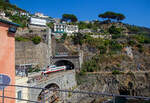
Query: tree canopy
x,y
69,17
7,1
112,15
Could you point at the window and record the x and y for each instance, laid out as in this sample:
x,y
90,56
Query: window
x,y
19,94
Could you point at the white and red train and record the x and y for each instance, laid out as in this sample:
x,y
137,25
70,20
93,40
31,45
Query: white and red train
x,y
53,68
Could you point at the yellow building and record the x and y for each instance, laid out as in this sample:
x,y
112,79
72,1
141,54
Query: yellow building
x,y
21,93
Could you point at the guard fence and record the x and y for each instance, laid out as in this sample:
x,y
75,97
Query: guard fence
x,y
46,96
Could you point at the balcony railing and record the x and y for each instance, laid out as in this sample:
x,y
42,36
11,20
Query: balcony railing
x,y
44,96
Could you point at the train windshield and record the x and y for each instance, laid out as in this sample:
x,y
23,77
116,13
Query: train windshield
x,y
53,66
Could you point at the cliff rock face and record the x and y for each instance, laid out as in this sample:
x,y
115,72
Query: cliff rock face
x,y
134,84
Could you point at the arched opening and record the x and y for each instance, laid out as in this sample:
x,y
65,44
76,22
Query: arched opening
x,y
52,86
49,94
66,63
124,91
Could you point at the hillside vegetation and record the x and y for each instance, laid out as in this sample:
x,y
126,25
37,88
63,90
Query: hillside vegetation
x,y
8,6
14,13
109,54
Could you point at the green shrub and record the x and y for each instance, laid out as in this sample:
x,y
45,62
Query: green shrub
x,y
133,29
82,72
141,38
51,25
90,66
115,46
147,40
79,38
36,70
116,36
114,30
140,48
21,39
130,73
131,42
36,40
30,31
31,70
102,49
118,65
115,72
64,36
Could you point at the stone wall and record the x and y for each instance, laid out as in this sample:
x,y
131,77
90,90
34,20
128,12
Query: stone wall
x,y
29,53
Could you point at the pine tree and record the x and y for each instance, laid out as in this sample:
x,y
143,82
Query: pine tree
x,y
6,1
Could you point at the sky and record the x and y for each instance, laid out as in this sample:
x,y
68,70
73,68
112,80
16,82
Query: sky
x,y
137,12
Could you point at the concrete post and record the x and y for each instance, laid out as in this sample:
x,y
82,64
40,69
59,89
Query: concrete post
x,y
49,52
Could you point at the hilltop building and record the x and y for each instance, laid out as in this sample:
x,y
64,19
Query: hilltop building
x,y
2,14
41,15
61,28
7,55
36,22
47,18
72,29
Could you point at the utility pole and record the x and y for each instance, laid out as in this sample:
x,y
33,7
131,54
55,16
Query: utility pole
x,y
49,51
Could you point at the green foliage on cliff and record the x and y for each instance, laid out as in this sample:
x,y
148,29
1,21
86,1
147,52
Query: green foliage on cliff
x,y
31,70
90,66
10,9
22,39
114,30
141,38
103,49
132,28
64,36
22,20
115,46
116,72
36,39
78,38
50,25
93,26
8,6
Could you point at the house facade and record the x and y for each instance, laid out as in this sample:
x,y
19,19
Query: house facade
x,y
7,56
61,28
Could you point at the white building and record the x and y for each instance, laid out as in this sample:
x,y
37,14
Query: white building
x,y
72,29
22,93
24,14
22,79
41,15
57,20
37,21
60,27
2,14
86,31
65,28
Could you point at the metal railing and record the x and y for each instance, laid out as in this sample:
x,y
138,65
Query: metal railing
x,y
67,91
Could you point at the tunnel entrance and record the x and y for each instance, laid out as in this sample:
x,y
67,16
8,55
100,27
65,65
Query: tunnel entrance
x,y
66,63
50,94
